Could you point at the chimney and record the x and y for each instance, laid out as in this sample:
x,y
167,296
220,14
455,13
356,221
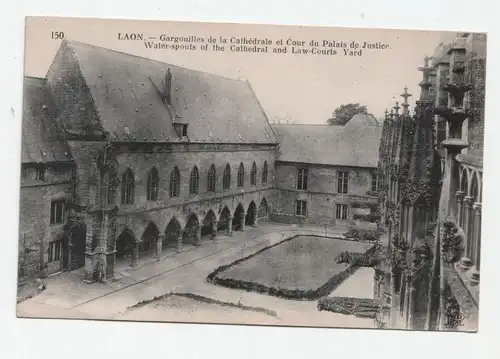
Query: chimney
x,y
168,87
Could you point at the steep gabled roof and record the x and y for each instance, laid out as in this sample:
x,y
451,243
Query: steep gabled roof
x,y
362,120
353,146
41,141
126,90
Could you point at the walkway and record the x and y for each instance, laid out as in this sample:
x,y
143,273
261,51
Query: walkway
x,y
68,296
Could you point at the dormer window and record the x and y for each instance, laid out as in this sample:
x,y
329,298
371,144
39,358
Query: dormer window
x,y
181,129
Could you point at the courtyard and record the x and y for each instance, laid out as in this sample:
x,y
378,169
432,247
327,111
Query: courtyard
x,y
175,288
300,267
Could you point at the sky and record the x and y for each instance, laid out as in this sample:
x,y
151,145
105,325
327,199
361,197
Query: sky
x,y
304,88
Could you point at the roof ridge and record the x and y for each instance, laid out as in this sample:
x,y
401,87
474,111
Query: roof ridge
x,y
302,124
35,78
69,42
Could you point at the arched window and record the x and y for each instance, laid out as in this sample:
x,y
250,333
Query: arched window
x,y
264,173
253,175
226,178
211,179
128,187
194,181
241,176
152,186
175,185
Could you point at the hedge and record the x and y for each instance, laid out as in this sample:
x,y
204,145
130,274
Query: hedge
x,y
311,294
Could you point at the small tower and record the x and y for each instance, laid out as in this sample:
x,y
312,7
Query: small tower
x,y
396,109
405,103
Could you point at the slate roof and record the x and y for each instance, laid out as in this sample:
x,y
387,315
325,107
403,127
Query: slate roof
x,y
354,144
126,88
41,142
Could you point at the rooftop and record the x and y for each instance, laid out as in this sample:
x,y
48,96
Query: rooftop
x,y
41,141
355,144
127,92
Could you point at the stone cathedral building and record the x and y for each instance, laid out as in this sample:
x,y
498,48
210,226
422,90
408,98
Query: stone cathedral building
x,y
430,171
126,158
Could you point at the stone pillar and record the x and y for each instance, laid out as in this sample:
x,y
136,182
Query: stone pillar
x,y
460,206
103,242
255,219
159,246
409,232
242,221
230,225
89,268
411,306
466,262
179,240
477,238
215,225
197,237
135,254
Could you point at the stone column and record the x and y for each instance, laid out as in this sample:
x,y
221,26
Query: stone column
x,y
466,262
135,254
103,242
242,221
411,305
197,237
255,219
409,233
159,246
477,238
230,225
460,200
179,240
214,230
89,268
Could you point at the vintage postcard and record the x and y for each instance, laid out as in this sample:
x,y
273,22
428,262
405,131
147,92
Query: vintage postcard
x,y
251,174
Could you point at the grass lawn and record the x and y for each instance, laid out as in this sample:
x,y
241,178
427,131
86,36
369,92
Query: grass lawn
x,y
303,265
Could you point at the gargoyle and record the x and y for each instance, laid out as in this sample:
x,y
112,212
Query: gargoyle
x,y
452,243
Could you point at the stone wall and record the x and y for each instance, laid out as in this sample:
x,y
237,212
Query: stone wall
x,y
138,215
321,194
35,230
476,70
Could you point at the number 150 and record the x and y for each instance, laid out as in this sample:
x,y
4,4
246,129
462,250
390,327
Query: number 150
x,y
57,35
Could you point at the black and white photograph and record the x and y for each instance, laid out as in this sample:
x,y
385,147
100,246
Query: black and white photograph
x,y
248,174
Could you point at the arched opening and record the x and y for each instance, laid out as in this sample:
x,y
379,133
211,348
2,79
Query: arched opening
x,y
149,239
175,185
464,187
125,244
474,191
238,218
171,234
128,187
211,179
191,230
474,228
465,183
263,210
226,178
251,216
241,176
152,185
253,175
224,219
77,238
208,228
194,181
264,173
